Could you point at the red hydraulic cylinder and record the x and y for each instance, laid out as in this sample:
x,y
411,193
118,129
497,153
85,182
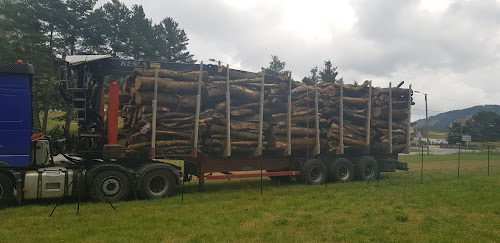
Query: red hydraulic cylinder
x,y
113,106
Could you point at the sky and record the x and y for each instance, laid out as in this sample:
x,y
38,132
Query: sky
x,y
449,49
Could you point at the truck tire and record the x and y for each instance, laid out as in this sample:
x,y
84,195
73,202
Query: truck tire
x,y
366,169
110,186
341,170
6,190
314,172
157,184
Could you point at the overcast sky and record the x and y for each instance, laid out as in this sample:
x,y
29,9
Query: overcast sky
x,y
448,49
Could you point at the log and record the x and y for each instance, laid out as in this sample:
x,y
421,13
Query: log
x,y
296,112
242,112
244,81
177,126
363,102
222,106
220,130
235,74
166,99
149,109
395,92
243,93
297,131
348,141
397,114
302,123
129,83
222,144
166,85
177,76
385,124
162,144
280,143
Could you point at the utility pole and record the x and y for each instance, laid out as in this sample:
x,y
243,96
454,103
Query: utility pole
x,y
427,121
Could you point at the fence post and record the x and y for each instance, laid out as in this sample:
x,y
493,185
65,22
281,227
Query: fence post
x,y
488,159
422,166
458,173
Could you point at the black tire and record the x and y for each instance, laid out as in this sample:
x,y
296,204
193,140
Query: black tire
x,y
341,170
6,191
157,184
314,172
366,169
110,186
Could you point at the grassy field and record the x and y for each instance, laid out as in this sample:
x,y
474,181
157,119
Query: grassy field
x,y
438,135
442,208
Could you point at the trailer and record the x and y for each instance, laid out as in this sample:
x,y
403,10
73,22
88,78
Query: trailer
x,y
106,171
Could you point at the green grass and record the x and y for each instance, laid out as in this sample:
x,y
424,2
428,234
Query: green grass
x,y
438,135
473,156
442,208
56,118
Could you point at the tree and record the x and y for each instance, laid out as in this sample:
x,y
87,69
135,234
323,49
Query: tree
x,y
486,126
455,133
32,30
116,27
170,43
80,34
314,73
140,35
44,32
329,74
276,67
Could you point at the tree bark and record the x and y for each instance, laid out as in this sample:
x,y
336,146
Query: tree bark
x,y
166,85
177,76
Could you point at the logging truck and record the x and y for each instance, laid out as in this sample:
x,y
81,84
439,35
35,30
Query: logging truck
x,y
217,120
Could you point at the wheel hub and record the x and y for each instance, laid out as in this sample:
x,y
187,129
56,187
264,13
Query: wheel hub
x,y
111,186
368,171
343,172
158,185
315,174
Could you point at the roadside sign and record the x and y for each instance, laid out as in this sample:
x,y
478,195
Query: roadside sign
x,y
155,65
466,138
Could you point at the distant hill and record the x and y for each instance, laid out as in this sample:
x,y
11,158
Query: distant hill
x,y
441,122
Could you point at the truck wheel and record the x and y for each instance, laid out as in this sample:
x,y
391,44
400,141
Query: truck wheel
x,y
314,172
6,191
341,170
157,184
110,186
367,169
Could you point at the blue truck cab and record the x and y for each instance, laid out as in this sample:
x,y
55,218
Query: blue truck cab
x,y
15,114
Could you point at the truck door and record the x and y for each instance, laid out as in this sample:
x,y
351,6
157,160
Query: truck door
x,y
15,114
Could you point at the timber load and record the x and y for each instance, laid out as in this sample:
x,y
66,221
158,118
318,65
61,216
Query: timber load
x,y
235,106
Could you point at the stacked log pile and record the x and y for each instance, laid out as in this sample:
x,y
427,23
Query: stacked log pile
x,y
177,104
244,112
